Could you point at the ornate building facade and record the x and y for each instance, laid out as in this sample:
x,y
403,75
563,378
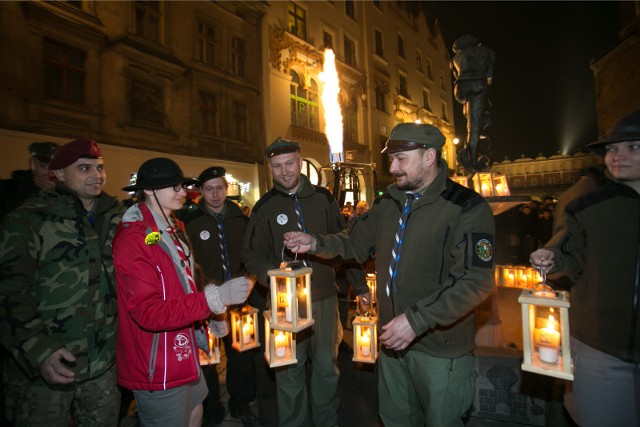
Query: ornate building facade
x,y
544,176
146,79
392,69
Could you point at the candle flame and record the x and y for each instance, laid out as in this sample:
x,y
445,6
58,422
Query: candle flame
x,y
551,322
330,104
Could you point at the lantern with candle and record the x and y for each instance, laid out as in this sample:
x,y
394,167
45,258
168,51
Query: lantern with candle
x,y
280,346
291,296
365,342
212,356
244,332
545,329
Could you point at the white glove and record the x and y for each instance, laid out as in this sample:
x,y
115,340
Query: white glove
x,y
219,328
235,291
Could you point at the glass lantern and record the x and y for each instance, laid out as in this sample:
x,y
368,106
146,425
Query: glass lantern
x,y
244,332
280,346
460,179
365,342
545,330
371,282
212,356
291,296
489,184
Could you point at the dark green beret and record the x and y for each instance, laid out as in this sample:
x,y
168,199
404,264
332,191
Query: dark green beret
x,y
43,150
281,146
409,136
211,173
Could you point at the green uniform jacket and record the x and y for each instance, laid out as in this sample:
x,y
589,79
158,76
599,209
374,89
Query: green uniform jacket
x,y
57,287
202,229
597,246
274,215
446,265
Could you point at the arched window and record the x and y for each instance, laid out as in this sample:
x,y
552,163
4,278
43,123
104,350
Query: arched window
x,y
310,171
304,103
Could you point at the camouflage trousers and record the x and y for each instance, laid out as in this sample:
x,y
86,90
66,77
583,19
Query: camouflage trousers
x,y
94,403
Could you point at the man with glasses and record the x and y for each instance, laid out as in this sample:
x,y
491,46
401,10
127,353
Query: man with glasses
x,y
58,298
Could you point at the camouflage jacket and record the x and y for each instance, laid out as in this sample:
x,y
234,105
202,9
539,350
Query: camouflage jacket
x,y
57,285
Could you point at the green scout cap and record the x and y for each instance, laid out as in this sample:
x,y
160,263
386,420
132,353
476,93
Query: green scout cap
x,y
43,151
211,173
410,136
281,146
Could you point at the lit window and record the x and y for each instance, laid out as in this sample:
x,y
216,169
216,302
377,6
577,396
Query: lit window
x,y
304,103
64,72
297,21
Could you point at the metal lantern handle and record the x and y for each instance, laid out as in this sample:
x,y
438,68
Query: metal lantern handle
x,y
366,309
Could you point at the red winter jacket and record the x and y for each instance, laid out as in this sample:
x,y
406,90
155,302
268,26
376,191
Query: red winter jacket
x,y
156,348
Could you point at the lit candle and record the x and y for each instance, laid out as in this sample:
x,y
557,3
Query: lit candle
x,y
548,341
210,336
281,344
246,333
287,309
365,343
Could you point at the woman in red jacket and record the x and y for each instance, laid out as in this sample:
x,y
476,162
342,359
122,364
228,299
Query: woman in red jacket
x,y
159,304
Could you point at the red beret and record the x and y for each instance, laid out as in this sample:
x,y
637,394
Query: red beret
x,y
72,151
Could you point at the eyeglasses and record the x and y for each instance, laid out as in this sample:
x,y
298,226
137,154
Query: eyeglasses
x,y
178,187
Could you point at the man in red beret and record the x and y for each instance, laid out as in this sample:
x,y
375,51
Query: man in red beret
x,y
58,298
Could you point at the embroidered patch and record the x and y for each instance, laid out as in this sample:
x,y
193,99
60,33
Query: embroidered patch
x,y
204,235
482,250
282,219
182,346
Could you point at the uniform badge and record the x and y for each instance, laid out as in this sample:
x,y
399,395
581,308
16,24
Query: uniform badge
x,y
282,219
204,235
482,250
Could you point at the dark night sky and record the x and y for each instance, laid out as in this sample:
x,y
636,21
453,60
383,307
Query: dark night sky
x,y
543,92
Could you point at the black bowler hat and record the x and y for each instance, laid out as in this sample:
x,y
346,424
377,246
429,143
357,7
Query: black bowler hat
x,y
211,173
625,129
281,146
159,173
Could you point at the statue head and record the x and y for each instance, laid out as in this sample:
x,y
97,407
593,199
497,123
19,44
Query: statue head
x,y
464,42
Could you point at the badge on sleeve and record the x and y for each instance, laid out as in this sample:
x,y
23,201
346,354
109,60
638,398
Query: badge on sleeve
x,y
482,250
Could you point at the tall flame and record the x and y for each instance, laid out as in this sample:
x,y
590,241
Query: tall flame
x,y
331,106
